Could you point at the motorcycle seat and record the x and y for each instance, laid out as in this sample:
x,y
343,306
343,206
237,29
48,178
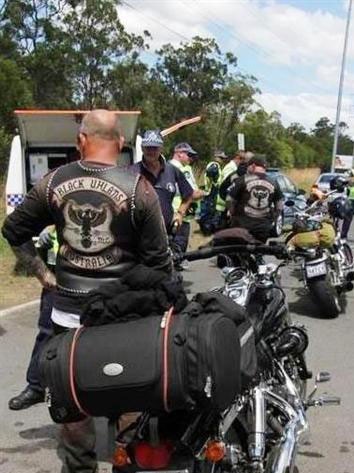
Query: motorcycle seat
x,y
234,236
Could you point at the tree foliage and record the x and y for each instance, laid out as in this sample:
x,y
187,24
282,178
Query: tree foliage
x,y
76,53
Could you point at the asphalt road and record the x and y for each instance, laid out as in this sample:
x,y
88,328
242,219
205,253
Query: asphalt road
x,y
28,438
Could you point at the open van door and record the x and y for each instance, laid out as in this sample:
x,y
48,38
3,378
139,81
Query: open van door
x,y
46,140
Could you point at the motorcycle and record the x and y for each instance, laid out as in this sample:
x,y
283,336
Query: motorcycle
x,y
327,264
261,430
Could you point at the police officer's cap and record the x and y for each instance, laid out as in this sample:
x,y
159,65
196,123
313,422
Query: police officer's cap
x,y
152,138
186,148
220,154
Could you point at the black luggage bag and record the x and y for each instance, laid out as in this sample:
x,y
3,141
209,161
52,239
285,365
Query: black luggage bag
x,y
155,363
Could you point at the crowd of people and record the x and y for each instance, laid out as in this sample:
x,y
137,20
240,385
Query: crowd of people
x,y
108,220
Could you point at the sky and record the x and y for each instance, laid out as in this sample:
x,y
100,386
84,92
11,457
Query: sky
x,y
293,47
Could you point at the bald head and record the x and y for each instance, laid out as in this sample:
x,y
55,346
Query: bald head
x,y
99,137
101,124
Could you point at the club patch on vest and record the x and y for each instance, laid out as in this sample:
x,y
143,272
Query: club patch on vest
x,y
89,241
92,262
260,192
89,184
87,228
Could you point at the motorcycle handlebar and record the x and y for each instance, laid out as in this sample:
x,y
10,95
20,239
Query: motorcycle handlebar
x,y
208,252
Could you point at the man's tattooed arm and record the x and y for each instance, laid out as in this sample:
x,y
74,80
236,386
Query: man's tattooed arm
x,y
26,253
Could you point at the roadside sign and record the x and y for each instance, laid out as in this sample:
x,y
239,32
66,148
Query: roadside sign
x,y
241,141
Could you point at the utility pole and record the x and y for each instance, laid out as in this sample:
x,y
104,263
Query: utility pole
x,y
340,91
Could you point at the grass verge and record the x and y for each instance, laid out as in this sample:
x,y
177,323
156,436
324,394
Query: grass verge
x,y
14,289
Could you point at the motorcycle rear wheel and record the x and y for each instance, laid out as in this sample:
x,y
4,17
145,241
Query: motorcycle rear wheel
x,y
325,297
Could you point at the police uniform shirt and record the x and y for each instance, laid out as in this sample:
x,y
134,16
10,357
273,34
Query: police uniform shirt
x,y
169,182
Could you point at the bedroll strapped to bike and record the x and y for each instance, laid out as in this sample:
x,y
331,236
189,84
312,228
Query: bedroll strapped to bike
x,y
324,237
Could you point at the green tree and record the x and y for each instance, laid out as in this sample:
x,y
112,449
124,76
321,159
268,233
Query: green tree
x,y
263,131
304,155
224,118
97,42
5,140
282,154
128,83
194,73
14,92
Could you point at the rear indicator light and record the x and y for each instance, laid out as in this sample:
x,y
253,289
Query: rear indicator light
x,y
120,457
151,456
215,451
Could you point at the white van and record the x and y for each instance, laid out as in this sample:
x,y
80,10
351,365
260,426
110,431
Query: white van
x,y
47,139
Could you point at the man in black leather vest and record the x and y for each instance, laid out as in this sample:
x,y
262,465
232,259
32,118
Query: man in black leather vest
x,y
107,221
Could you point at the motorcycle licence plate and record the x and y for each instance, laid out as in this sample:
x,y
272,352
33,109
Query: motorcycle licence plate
x,y
314,270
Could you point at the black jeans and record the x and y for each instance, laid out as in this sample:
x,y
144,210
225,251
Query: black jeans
x,y
347,221
45,332
77,440
182,236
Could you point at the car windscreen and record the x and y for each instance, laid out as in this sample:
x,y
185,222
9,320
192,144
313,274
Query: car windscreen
x,y
326,179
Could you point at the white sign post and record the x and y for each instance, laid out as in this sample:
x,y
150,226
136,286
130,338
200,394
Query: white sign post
x,y
241,141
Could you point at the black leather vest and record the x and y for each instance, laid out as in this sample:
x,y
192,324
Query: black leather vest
x,y
93,208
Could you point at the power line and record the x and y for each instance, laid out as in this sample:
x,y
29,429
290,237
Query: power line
x,y
222,28
155,20
255,48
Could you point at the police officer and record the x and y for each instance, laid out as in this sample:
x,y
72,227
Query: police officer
x,y
344,189
214,170
255,201
166,179
183,157
348,221
107,220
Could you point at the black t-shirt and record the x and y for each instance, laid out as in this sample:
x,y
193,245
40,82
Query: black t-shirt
x,y
255,197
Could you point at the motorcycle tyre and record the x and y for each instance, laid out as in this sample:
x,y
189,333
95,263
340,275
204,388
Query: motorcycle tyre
x,y
324,295
348,254
277,229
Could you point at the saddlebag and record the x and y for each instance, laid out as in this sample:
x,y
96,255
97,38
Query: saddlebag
x,y
155,363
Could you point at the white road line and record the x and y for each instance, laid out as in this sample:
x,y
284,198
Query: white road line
x,y
11,310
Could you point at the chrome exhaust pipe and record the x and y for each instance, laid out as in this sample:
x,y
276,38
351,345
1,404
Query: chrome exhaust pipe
x,y
282,458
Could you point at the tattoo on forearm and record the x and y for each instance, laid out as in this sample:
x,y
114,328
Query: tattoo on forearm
x,y
27,254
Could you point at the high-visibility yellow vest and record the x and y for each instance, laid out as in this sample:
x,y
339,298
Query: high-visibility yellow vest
x,y
188,174
351,192
228,169
208,182
226,172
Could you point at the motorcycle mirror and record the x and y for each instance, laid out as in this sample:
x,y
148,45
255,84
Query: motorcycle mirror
x,y
290,203
323,377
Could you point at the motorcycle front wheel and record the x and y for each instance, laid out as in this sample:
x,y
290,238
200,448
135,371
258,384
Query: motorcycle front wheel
x,y
325,297
348,254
